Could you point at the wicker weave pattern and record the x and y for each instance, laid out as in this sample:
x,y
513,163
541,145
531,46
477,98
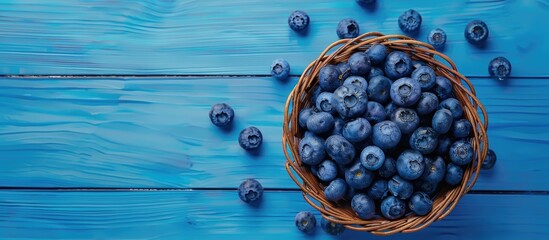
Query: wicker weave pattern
x,y
341,212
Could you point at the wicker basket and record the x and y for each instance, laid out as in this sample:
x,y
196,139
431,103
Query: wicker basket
x,y
341,212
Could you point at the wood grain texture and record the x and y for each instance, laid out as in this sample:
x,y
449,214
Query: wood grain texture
x,y
135,133
244,37
221,215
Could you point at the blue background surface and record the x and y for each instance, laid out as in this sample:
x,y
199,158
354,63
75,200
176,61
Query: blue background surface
x,y
104,131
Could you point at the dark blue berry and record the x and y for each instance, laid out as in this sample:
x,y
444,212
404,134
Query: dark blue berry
x,y
476,32
221,114
298,21
410,21
250,138
305,222
280,69
250,190
437,38
499,68
347,28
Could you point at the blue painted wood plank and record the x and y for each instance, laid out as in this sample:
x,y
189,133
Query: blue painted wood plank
x,y
243,37
221,215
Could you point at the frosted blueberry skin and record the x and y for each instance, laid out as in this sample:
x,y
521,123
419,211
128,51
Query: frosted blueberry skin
x,y
298,21
461,128
326,171
250,138
358,177
357,130
305,222
331,227
406,119
410,164
386,134
358,81
377,53
454,106
400,187
490,160
339,149
360,64
363,206
424,140
454,174
420,203
326,102
372,157
392,208
304,116
379,89
437,38
375,113
328,78
250,190
351,100
347,28
499,68
405,92
476,32
221,115
280,69
311,149
461,153
410,21
374,72
426,77
442,121
427,103
378,190
320,122
397,65
336,190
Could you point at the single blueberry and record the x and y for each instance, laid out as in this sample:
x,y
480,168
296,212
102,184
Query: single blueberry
x,y
298,20
410,164
280,69
305,222
427,103
221,114
375,113
344,69
499,68
363,206
357,130
372,157
454,174
352,101
390,108
320,122
336,190
392,208
379,89
347,28
378,190
328,78
339,149
461,153
425,76
250,138
409,21
434,170
386,134
405,92
377,53
358,177
420,203
304,115
443,88
444,143
366,3
326,171
424,140
406,119
358,81
442,121
388,169
437,38
331,228
338,126
454,106
374,72
397,65
490,160
400,187
250,190
360,64
461,128
476,32
326,102
311,149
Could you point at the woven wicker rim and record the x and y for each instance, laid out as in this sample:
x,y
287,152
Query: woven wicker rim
x,y
340,212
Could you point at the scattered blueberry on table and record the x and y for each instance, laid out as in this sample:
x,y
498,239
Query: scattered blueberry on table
x,y
410,21
347,28
437,38
490,160
250,138
250,190
331,227
305,221
298,21
476,32
221,114
280,69
499,68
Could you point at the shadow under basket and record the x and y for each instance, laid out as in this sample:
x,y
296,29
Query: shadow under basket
x,y
446,198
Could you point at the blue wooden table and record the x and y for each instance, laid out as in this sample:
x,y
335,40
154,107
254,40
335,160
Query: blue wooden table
x,y
104,129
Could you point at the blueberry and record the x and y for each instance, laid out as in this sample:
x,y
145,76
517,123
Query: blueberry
x,y
339,149
476,32
418,63
298,21
386,134
347,28
344,69
392,208
351,192
454,174
442,121
444,143
424,140
221,114
454,106
378,190
379,89
499,68
490,160
363,206
428,187
405,92
320,122
377,53
338,126
358,81
397,65
420,203
390,108
461,153
410,164
374,72
328,78
326,102
316,91
305,222
352,101
360,64
280,69
250,138
335,191
358,177
304,115
366,3
434,170
388,169
375,113
443,88
427,103
425,76
331,228
326,170
409,21
461,128
437,38
250,190
406,119
400,187
357,130
372,157
311,149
